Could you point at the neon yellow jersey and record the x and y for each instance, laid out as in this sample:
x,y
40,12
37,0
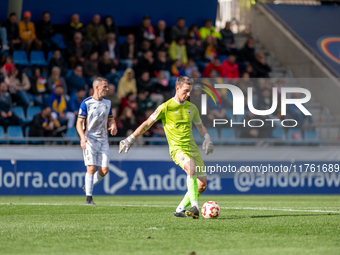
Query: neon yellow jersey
x,y
176,118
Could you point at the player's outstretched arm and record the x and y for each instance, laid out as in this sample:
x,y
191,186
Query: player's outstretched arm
x,y
207,143
80,124
127,142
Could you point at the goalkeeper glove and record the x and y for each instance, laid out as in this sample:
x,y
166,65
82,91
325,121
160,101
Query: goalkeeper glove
x,y
207,144
126,143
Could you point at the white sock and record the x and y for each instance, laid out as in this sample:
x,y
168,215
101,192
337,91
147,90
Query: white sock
x,y
180,207
194,203
89,184
97,178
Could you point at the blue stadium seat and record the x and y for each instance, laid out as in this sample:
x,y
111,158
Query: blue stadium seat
x,y
294,132
278,133
228,133
31,112
222,58
72,133
173,82
58,39
312,137
15,132
20,58
197,136
229,114
121,39
213,133
37,58
2,135
68,73
4,52
19,112
49,55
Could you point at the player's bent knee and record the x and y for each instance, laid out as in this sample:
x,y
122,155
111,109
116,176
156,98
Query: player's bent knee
x,y
202,188
103,171
190,168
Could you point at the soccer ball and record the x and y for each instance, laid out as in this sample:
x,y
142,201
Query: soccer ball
x,y
210,210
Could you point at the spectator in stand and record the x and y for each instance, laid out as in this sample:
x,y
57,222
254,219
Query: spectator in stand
x,y
145,46
162,86
128,101
230,68
177,69
145,63
265,101
56,80
194,51
144,83
129,51
58,104
194,33
13,32
89,92
95,32
19,85
216,65
162,32
27,33
77,50
247,53
250,70
3,39
190,67
178,51
179,30
111,45
147,114
215,111
244,83
110,26
91,67
39,87
7,117
227,44
144,102
195,74
128,120
43,124
209,29
75,101
261,68
161,63
113,97
108,68
127,84
157,46
45,30
250,132
76,80
145,30
56,60
210,52
75,26
9,65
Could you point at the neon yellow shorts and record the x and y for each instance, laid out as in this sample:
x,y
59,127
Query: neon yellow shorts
x,y
180,157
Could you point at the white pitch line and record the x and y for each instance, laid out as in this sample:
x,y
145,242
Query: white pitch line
x,y
167,206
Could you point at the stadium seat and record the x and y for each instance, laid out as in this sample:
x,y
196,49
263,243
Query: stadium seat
x,y
222,58
31,112
49,55
58,39
312,137
2,135
173,82
228,133
294,136
229,114
197,136
72,133
15,132
20,58
68,73
37,58
4,52
278,133
121,39
19,112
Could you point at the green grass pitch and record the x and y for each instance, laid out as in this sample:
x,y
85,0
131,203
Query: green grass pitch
x,y
146,225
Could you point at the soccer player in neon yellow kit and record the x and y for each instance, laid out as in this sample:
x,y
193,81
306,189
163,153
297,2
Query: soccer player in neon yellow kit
x,y
177,115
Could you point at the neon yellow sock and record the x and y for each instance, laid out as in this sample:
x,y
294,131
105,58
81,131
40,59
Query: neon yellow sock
x,y
186,200
192,187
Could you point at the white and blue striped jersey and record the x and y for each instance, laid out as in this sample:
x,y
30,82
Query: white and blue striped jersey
x,y
96,114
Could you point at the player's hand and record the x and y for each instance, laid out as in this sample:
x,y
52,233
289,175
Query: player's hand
x,y
207,144
113,130
126,143
83,143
